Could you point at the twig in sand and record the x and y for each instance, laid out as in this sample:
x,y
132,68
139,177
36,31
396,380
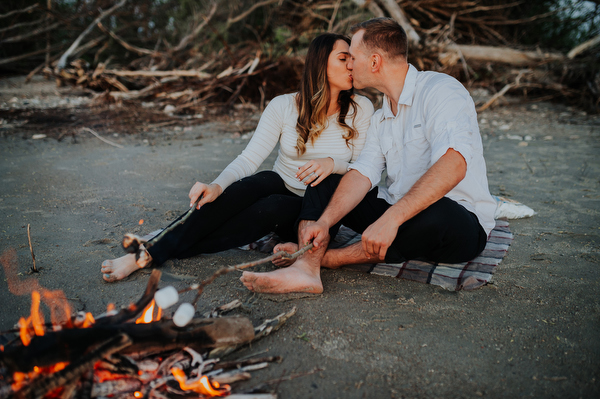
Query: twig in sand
x,y
34,267
102,138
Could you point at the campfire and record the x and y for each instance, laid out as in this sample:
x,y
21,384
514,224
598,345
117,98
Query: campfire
x,y
134,352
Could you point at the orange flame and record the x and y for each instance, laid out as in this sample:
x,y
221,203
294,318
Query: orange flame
x,y
85,321
201,385
34,324
37,319
21,379
148,315
24,331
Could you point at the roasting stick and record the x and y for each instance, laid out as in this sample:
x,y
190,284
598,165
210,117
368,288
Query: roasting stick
x,y
224,270
175,223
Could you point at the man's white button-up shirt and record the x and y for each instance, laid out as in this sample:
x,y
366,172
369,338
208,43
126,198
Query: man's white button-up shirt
x,y
435,113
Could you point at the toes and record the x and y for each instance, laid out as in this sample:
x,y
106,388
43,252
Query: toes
x,y
109,277
248,277
247,282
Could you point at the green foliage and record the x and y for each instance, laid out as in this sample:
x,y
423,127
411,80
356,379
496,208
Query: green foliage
x,y
573,22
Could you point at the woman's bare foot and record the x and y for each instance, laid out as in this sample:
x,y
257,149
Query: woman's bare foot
x,y
300,277
118,269
288,247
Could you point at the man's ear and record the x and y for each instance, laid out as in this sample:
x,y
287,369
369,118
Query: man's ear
x,y
376,61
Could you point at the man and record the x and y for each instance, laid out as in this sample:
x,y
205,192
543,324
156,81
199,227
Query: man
x,y
436,203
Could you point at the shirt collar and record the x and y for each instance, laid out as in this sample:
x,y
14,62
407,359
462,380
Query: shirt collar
x,y
407,95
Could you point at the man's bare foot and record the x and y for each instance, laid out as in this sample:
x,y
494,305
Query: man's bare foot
x,y
288,247
118,269
300,277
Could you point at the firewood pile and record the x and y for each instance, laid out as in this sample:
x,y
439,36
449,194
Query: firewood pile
x,y
220,54
134,352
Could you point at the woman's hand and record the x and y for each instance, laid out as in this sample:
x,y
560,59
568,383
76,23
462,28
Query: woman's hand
x,y
207,193
315,171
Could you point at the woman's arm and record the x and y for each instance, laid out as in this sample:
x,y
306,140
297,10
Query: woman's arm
x,y
261,144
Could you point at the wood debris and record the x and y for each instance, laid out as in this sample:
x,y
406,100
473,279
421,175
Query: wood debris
x,y
250,51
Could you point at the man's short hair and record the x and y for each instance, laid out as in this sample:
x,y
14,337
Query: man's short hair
x,y
384,34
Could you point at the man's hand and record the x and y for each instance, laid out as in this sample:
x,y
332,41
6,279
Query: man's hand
x,y
317,232
209,193
378,237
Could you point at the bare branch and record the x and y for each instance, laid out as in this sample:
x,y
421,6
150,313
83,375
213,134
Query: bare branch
x,y
63,59
249,11
186,40
139,50
190,73
19,38
397,13
27,9
583,47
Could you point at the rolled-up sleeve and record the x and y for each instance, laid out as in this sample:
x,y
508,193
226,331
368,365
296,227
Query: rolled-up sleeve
x,y
371,161
454,123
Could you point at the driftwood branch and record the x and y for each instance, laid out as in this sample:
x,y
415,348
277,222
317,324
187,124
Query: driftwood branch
x,y
135,49
397,13
249,11
25,36
87,129
63,59
24,10
583,47
157,74
23,24
503,91
333,15
186,40
24,56
502,55
260,331
372,6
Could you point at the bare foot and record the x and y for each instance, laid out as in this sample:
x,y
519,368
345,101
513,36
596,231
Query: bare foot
x,y
300,277
288,247
118,269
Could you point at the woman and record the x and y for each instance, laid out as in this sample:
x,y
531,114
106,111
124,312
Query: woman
x,y
320,130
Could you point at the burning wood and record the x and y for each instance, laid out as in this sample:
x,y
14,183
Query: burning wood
x,y
130,352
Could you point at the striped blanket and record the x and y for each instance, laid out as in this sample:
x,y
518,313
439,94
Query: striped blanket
x,y
454,277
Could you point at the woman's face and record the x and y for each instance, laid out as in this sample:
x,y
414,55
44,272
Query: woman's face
x,y
338,76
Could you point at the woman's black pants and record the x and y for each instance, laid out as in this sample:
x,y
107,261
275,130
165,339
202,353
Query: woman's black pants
x,y
246,211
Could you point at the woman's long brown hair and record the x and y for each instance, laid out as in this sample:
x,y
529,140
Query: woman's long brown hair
x,y
314,94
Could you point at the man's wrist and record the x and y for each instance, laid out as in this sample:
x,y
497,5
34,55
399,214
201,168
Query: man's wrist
x,y
395,215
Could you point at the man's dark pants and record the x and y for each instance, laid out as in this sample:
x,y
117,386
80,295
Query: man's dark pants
x,y
444,232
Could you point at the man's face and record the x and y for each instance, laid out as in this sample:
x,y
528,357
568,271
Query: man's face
x,y
359,61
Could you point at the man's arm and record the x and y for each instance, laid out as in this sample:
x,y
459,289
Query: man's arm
x,y
442,177
352,189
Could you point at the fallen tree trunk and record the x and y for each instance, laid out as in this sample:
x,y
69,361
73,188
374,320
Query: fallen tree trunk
x,y
159,74
503,55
